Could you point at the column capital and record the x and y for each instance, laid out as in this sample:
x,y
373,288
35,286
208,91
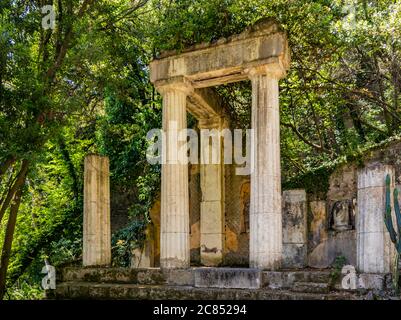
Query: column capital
x,y
274,70
179,83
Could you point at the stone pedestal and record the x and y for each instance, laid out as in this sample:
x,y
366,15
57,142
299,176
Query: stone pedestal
x,y
265,208
96,233
375,252
294,229
174,237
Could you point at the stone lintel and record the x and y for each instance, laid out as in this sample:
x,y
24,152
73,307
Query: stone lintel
x,y
262,46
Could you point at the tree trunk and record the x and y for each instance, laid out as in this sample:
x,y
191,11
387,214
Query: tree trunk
x,y
8,240
5,165
356,122
20,180
71,169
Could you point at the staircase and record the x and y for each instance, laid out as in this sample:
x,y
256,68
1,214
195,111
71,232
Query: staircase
x,y
195,284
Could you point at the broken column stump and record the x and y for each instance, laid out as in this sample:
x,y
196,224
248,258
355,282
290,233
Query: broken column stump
x,y
97,232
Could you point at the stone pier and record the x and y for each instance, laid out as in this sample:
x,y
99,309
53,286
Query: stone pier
x,y
294,229
375,252
96,225
212,186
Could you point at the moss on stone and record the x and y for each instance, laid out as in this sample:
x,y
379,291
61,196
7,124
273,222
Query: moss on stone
x,y
317,181
314,181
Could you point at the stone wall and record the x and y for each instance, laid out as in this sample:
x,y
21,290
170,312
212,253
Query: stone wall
x,y
332,220
320,226
332,217
237,198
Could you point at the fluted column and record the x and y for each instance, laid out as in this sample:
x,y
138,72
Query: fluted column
x,y
174,237
265,250
375,251
96,225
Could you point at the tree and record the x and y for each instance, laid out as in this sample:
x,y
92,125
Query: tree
x,y
43,82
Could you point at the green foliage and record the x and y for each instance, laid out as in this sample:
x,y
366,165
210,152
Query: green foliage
x,y
339,263
315,181
25,290
126,240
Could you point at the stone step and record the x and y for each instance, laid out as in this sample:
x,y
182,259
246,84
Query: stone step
x,y
287,279
112,275
320,276
199,277
86,290
145,276
236,278
310,287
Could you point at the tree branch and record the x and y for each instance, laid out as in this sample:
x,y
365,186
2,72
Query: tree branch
x,y
300,136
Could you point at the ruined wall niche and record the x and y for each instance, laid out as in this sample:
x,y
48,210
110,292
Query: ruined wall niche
x,y
342,215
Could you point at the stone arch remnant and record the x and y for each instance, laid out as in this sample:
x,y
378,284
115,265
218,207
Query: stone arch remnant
x,y
259,54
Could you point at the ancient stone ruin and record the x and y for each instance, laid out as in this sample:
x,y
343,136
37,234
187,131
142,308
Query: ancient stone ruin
x,y
231,236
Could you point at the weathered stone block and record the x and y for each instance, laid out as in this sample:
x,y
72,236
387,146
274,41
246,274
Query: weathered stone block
x,y
277,279
185,277
294,255
294,228
371,281
318,225
211,182
227,278
211,219
338,244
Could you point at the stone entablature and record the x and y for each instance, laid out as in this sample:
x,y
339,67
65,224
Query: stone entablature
x,y
228,60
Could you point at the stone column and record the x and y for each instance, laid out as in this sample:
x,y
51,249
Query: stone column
x,y
174,237
265,207
212,204
375,252
96,233
294,229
